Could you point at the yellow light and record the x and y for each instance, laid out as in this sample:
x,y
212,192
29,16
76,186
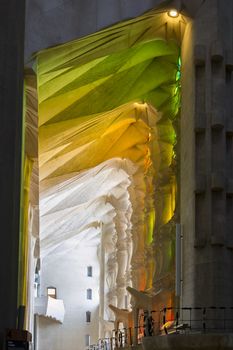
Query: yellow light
x,y
173,13
168,324
140,105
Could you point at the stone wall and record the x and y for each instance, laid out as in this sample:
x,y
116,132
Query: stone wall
x,y
207,157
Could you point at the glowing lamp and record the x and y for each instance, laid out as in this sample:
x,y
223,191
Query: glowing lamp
x,y
173,13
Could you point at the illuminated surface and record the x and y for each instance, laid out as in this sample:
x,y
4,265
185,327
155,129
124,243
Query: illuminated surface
x,y
173,13
107,104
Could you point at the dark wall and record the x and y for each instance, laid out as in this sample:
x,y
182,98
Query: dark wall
x,y
11,92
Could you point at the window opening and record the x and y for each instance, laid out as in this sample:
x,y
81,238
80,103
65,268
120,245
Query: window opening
x,y
52,292
88,316
89,294
89,271
87,339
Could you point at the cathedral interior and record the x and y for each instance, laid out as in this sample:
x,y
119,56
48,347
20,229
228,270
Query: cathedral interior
x,y
125,190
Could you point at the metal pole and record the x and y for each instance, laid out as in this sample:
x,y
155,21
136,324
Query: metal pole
x,y
178,260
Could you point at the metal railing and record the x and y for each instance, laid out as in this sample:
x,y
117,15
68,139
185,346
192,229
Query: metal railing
x,y
197,319
170,320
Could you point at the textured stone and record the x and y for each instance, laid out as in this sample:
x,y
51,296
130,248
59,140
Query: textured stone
x,y
229,187
218,119
217,52
200,183
200,122
199,55
229,127
229,60
217,181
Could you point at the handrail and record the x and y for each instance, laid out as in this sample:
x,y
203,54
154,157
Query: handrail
x,y
180,321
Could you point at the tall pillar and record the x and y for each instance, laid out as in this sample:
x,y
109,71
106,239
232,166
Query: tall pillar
x,y
101,286
11,93
207,156
122,257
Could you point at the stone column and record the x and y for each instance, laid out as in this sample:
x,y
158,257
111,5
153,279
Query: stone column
x,y
11,101
111,272
122,258
138,227
207,156
102,285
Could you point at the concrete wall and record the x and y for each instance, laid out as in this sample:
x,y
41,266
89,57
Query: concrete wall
x,y
11,93
68,274
207,157
187,158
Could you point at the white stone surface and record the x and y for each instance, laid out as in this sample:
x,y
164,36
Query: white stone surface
x,y
50,307
75,213
55,308
69,276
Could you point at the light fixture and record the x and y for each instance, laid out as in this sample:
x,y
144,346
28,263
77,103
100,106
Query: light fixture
x,y
141,105
173,13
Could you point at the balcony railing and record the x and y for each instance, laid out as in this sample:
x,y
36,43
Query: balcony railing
x,y
171,320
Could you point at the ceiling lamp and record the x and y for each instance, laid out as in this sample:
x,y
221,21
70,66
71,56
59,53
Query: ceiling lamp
x,y
173,13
